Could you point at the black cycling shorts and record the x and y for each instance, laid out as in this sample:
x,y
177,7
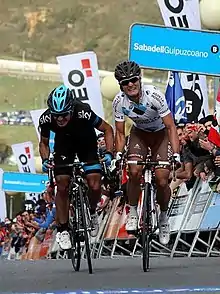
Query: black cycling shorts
x,y
85,147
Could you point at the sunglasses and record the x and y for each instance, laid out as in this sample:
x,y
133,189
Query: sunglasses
x,y
127,81
56,115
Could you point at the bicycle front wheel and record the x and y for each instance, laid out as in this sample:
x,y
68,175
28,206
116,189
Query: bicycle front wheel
x,y
146,228
84,224
75,251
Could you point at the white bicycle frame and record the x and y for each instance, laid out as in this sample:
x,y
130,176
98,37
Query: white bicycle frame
x,y
154,214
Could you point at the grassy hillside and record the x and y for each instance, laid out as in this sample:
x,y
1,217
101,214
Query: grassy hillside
x,y
40,30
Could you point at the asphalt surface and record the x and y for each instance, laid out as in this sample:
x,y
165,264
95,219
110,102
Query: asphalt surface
x,y
58,275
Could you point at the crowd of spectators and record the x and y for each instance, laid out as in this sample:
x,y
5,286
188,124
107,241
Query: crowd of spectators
x,y
16,234
199,154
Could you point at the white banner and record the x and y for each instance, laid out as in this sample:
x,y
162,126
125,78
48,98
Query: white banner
x,y
179,208
3,209
24,154
35,115
186,14
80,73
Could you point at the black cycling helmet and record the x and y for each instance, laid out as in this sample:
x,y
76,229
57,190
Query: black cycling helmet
x,y
60,100
127,69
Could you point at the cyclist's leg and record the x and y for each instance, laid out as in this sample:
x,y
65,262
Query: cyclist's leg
x,y
62,176
88,154
137,150
160,152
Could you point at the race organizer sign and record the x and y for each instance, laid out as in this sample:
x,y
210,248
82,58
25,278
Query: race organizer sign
x,y
80,73
24,155
186,14
24,182
175,49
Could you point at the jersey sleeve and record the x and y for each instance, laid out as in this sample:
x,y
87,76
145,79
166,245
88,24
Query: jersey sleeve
x,y
85,112
117,110
159,101
44,125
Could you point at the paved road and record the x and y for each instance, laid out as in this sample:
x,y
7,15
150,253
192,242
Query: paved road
x,y
57,275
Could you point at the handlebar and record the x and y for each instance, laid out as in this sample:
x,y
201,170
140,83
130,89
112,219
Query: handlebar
x,y
148,163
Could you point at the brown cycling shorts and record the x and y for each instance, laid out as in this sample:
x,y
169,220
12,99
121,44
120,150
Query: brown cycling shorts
x,y
139,142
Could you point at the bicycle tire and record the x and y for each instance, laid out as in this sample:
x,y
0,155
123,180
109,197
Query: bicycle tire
x,y
145,228
75,251
84,224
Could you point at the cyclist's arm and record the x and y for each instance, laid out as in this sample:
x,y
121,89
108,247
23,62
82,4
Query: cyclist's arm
x,y
44,148
120,139
172,132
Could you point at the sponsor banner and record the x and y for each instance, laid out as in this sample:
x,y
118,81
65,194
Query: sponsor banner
x,y
179,208
196,212
24,182
211,219
186,14
35,115
180,13
175,49
80,73
24,154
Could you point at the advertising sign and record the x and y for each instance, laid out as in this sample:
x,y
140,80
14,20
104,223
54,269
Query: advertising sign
x,y
175,49
80,73
24,182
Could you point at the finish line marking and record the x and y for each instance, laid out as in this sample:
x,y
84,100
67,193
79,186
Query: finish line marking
x,y
136,291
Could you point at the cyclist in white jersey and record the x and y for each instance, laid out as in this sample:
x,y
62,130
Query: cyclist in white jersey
x,y
153,127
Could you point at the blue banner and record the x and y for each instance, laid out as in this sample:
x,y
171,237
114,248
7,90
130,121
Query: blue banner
x,y
24,182
175,98
211,219
175,49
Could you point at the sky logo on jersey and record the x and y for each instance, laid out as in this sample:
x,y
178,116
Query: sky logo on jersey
x,y
84,114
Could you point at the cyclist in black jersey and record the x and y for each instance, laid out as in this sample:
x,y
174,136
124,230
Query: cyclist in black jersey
x,y
74,124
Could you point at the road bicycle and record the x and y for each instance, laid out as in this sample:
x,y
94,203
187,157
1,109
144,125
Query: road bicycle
x,y
79,215
148,220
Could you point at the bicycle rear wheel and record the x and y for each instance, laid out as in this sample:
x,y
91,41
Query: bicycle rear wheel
x,y
84,224
146,228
